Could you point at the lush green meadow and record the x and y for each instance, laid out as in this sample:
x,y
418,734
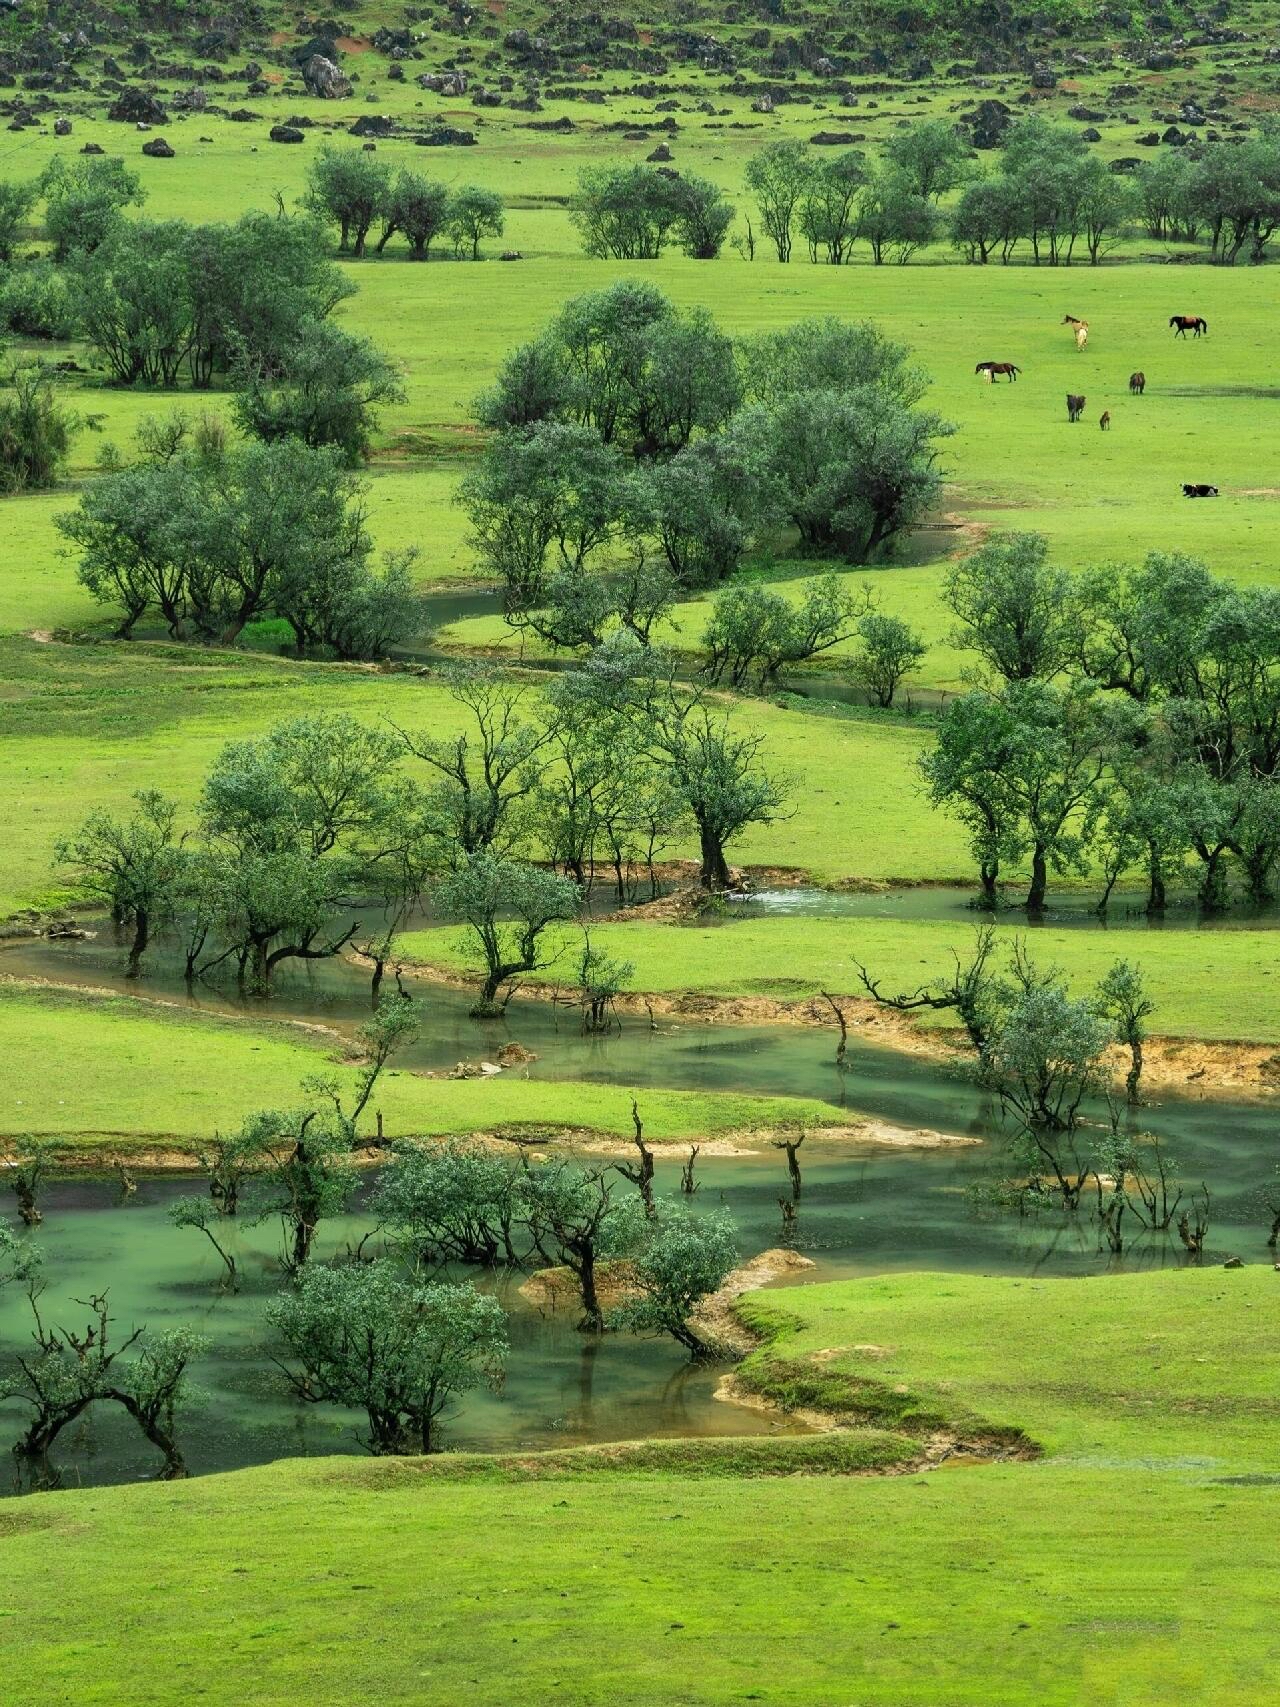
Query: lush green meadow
x,y
1129,1566
133,1076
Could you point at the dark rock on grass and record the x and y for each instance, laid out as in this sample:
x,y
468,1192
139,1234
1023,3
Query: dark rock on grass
x,y
243,115
1125,163
836,138
990,121
135,106
1091,135
661,152
92,148
62,127
445,136
157,149
372,124
286,133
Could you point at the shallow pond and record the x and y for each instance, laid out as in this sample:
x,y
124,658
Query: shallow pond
x,y
864,1209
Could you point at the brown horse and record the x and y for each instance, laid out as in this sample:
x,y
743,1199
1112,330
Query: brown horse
x,y
1137,383
993,369
1075,406
1104,420
1079,327
1184,323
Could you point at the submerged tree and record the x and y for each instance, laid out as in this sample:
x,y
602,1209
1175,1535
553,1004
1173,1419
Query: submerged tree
x,y
684,1258
134,865
510,907
574,1217
398,1350
450,1202
1123,999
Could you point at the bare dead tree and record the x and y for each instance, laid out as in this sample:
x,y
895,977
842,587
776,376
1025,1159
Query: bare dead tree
x,y
689,1185
791,1144
640,1173
966,991
842,1065
1193,1223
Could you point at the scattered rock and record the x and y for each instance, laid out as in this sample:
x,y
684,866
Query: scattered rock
x,y
445,136
285,133
135,106
661,152
1233,1262
157,149
323,78
372,124
62,127
515,1055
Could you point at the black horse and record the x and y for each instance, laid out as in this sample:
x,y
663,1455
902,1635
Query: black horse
x,y
1075,406
1184,323
995,369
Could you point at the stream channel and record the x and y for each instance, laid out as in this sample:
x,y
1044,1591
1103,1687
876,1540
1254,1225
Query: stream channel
x,y
866,1208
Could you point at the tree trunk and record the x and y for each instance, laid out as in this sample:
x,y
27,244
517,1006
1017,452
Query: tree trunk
x,y
715,871
141,936
1039,880
592,1316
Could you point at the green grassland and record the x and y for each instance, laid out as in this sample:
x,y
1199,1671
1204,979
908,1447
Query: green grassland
x,y
131,1076
1128,1567
1210,984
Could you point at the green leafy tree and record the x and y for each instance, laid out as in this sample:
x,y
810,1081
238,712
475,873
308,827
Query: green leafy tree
x,y
575,1218
891,648
474,214
398,1350
684,1258
323,390
36,430
134,865
828,218
704,217
1015,608
509,907
16,203
779,177
1123,999
894,219
449,1202
349,189
932,155
85,199
625,213
753,634
987,219
418,208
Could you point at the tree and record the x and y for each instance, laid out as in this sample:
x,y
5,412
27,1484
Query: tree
x,y
932,156
133,865
704,218
894,218
1016,610
684,1258
449,1202
85,199
1123,1000
1021,770
753,634
970,990
397,1350
16,202
573,1210
1046,166
1044,1060
25,1174
509,908
625,213
830,354
302,817
418,209
714,772
987,218
601,980
550,490
707,505
890,648
36,431
474,214
778,177
854,468
203,1216
322,390
134,297
1107,204
487,774
350,189
828,214
626,364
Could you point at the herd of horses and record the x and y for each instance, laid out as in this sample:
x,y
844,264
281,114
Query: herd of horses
x,y
1181,324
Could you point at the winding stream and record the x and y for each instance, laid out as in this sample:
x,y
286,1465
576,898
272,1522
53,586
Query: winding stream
x,y
865,1208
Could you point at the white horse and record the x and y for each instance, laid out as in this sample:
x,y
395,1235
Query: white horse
x,y
1080,328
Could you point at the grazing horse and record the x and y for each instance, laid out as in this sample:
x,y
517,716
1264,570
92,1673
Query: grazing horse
x,y
1079,327
1104,420
1137,384
1184,323
1199,490
1075,406
991,369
